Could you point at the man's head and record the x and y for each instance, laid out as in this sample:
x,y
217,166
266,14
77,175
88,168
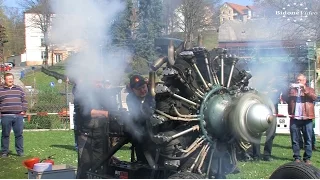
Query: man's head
x,y
301,79
8,79
139,85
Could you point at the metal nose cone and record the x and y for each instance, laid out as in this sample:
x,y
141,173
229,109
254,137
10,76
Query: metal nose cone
x,y
259,118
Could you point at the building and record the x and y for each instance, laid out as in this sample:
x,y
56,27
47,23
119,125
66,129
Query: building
x,y
18,60
231,11
35,43
271,41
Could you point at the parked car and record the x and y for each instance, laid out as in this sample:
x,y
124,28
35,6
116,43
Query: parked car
x,y
4,67
11,64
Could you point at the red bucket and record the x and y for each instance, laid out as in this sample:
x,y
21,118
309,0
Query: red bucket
x,y
29,163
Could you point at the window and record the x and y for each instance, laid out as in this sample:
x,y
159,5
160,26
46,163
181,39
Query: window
x,y
58,57
43,55
42,42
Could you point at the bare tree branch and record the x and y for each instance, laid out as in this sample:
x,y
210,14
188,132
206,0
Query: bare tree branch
x,y
41,13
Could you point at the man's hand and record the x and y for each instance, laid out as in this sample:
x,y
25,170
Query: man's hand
x,y
303,88
23,113
106,114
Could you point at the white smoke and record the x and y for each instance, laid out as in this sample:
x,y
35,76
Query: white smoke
x,y
86,26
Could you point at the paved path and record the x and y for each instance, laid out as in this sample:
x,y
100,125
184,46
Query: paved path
x,y
16,72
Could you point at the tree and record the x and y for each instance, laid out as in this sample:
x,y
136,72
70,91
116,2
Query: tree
x,y
194,16
41,18
15,32
169,18
123,27
305,19
150,27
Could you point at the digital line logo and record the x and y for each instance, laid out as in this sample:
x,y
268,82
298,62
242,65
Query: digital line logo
x,y
296,12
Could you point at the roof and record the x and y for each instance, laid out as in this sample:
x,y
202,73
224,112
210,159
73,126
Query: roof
x,y
263,29
252,7
239,8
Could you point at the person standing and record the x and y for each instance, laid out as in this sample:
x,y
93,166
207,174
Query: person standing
x,y
139,101
273,93
300,100
91,121
13,106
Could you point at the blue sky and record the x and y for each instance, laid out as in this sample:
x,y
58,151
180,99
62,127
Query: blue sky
x,y
11,3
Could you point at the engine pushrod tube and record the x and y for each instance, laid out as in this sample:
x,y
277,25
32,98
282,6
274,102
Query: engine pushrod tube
x,y
197,159
222,71
214,73
208,70
183,115
200,92
192,145
185,155
203,158
210,161
176,118
208,95
199,95
193,128
231,73
215,77
186,100
200,75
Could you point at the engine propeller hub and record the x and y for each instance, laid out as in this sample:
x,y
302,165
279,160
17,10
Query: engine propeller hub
x,y
259,117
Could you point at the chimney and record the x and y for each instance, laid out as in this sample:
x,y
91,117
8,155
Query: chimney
x,y
245,18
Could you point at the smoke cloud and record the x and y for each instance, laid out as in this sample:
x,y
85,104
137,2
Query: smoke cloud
x,y
276,46
86,26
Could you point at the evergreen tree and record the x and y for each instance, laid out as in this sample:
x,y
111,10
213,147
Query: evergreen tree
x,y
150,26
122,27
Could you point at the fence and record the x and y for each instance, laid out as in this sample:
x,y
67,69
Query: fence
x,y
48,102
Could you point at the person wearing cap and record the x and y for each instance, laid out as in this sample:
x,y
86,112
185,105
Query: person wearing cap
x,y
139,102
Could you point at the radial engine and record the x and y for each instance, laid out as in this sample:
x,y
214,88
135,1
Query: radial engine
x,y
205,111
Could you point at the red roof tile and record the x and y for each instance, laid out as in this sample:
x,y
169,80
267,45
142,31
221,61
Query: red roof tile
x,y
239,8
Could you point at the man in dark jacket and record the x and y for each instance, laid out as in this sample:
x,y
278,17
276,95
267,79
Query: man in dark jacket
x,y
139,102
301,109
91,120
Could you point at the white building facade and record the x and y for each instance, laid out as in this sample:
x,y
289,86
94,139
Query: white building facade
x,y
35,52
34,41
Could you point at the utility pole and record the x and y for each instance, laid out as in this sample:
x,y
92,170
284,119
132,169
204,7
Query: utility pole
x,y
3,40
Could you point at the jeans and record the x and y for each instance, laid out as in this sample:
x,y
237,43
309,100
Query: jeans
x,y
301,140
306,127
14,122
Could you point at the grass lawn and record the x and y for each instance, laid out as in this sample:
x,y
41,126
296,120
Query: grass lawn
x,y
61,143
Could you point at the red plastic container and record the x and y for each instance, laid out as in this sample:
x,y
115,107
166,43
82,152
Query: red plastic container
x,y
29,163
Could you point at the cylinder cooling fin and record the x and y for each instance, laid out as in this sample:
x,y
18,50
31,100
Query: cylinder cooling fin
x,y
209,103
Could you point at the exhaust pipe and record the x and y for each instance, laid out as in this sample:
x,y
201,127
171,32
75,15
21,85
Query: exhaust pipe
x,y
158,63
152,82
171,53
